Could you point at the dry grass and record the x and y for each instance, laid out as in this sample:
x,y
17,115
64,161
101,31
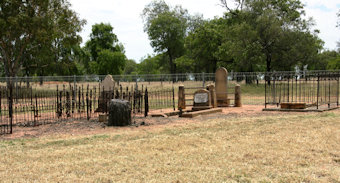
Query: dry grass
x,y
278,147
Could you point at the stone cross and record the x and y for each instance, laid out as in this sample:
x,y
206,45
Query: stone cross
x,y
221,80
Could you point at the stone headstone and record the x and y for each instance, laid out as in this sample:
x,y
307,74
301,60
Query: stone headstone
x,y
106,88
119,113
202,100
108,83
221,80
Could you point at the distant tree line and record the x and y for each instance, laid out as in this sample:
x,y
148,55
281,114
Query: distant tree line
x,y
39,37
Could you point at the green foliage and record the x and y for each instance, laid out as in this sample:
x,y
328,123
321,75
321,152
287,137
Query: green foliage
x,y
130,67
258,35
185,64
326,59
338,23
202,44
110,62
150,65
102,38
166,28
36,34
334,64
268,34
103,53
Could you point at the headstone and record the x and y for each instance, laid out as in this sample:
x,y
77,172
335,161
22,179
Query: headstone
x,y
221,80
108,83
202,100
107,86
119,113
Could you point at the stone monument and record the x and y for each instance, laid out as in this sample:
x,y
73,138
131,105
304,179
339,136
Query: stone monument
x,y
221,80
119,113
106,87
108,84
202,100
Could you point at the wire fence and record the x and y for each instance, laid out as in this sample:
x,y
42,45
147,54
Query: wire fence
x,y
40,100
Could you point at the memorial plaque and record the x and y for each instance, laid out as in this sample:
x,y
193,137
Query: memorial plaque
x,y
201,98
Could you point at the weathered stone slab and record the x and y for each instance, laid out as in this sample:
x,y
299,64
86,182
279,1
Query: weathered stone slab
x,y
204,112
202,100
119,113
108,84
221,82
293,105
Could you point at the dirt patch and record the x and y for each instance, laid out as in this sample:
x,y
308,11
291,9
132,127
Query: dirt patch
x,y
84,127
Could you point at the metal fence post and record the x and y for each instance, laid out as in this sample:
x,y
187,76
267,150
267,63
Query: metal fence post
x,y
203,79
10,101
265,91
318,92
337,98
146,103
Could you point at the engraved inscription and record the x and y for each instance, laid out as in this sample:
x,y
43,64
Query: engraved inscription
x,y
201,98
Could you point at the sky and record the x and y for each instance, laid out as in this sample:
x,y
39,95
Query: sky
x,y
125,17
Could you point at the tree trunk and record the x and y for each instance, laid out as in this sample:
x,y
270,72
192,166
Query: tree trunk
x,y
268,61
172,67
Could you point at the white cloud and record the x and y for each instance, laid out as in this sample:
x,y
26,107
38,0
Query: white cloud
x,y
125,17
324,14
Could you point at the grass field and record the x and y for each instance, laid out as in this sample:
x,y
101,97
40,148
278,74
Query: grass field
x,y
269,147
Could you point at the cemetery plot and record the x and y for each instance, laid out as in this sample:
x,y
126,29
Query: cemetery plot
x,y
302,92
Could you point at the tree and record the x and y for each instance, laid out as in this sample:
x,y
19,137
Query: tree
x,y
32,31
166,28
267,31
338,25
111,62
202,44
150,65
102,38
328,60
130,67
106,53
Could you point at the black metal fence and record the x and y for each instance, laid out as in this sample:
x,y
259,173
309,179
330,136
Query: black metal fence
x,y
40,100
317,89
27,106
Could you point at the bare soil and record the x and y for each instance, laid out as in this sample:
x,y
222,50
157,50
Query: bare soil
x,y
92,126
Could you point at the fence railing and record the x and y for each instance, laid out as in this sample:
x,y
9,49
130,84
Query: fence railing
x,y
40,100
313,89
32,107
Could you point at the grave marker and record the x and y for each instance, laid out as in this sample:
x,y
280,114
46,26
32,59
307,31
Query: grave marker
x,y
221,79
202,100
108,83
